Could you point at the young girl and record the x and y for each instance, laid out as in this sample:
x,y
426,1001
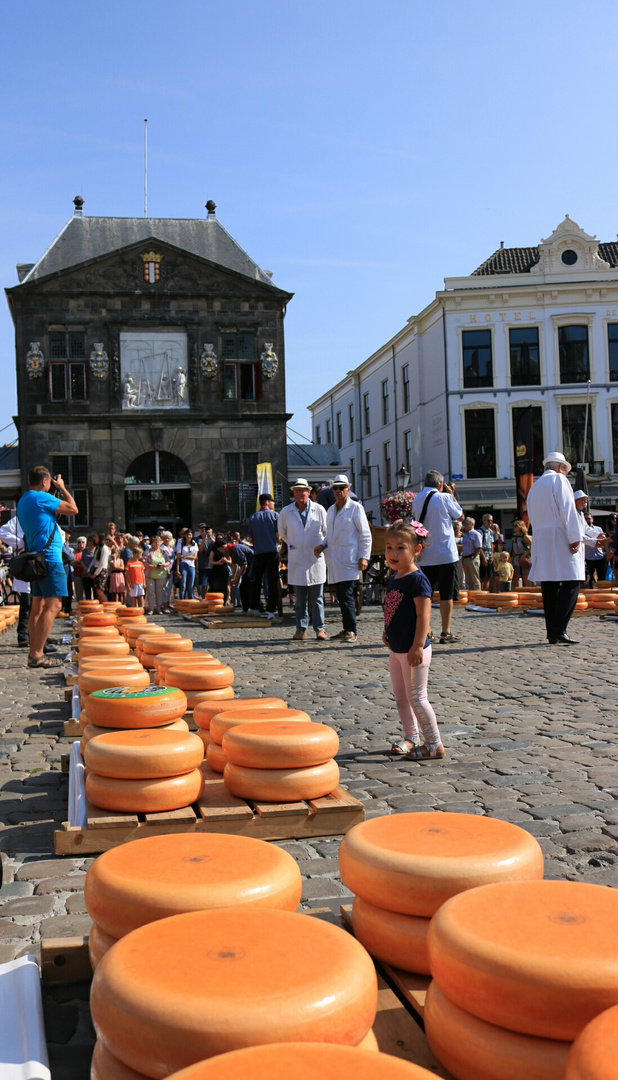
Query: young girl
x,y
407,612
116,585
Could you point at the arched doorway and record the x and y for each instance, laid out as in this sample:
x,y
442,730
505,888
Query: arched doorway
x,y
157,491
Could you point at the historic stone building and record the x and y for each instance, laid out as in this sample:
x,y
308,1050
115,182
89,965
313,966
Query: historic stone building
x,y
150,370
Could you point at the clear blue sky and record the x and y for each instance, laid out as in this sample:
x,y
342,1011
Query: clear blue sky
x,y
360,151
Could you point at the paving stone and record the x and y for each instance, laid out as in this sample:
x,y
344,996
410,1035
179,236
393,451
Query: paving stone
x,y
15,889
47,869
28,905
75,904
66,926
10,931
72,883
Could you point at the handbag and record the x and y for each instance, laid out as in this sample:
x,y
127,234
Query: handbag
x,y
31,565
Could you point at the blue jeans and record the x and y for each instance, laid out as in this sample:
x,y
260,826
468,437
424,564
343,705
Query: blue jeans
x,y
345,596
302,594
187,569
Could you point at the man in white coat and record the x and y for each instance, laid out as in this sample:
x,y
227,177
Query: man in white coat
x,y
557,546
348,547
302,526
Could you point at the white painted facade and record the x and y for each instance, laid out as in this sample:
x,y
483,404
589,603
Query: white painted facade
x,y
569,285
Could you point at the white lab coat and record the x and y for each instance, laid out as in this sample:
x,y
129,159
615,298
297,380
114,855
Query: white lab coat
x,y
303,567
555,524
13,534
349,539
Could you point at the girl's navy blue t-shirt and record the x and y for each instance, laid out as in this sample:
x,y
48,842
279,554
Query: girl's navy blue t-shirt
x,y
400,609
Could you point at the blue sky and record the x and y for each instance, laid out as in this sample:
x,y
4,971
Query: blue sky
x,y
360,151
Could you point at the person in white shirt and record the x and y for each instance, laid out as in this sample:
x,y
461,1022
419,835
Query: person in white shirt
x,y
471,546
348,547
302,526
435,507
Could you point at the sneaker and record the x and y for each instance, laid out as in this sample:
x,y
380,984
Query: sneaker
x,y
321,635
350,637
299,635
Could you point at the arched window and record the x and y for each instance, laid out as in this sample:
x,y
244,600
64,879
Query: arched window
x,y
157,467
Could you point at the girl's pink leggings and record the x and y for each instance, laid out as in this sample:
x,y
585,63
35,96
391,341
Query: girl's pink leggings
x,y
410,690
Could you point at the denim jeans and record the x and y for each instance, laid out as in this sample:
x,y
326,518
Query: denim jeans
x,y
187,569
345,596
302,594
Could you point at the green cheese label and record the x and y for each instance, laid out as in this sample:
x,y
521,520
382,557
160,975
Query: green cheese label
x,y
124,692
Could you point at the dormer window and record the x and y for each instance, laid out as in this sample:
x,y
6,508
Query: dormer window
x,y
569,257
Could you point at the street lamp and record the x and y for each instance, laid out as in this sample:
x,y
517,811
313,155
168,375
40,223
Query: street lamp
x,y
365,474
402,476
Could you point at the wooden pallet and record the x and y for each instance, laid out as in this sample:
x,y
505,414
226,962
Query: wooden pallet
x,y
229,622
217,811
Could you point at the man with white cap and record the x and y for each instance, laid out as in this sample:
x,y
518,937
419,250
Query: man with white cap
x,y
557,546
594,541
348,547
302,526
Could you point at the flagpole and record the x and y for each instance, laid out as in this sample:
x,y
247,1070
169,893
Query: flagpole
x,y
586,426
145,168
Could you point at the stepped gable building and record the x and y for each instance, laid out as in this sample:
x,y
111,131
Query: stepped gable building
x,y
150,370
530,327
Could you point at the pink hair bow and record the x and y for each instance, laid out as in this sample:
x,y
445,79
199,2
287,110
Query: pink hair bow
x,y
419,529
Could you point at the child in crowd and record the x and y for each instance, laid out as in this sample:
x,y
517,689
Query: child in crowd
x,y
407,613
136,578
505,572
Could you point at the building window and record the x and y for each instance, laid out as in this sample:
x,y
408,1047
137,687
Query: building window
x,y
339,430
615,435
67,366
407,451
367,414
477,362
368,468
574,356
352,475
385,403
573,424
351,421
524,352
241,488
480,443
318,435
612,348
242,377
537,435
329,434
405,381
387,466
74,471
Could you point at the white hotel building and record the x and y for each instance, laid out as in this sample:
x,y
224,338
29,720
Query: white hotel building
x,y
531,326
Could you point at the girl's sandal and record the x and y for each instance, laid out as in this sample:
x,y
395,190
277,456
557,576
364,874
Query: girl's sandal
x,y
423,753
400,748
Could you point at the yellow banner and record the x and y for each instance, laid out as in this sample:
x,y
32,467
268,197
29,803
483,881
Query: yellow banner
x,y
264,481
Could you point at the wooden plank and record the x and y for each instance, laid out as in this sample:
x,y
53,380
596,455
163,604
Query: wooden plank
x,y
399,1034
269,810
219,622
339,800
210,774
218,804
65,959
72,729
185,816
107,819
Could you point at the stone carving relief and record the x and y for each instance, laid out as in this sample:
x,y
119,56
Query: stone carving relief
x,y
569,249
35,361
99,361
269,361
153,370
209,365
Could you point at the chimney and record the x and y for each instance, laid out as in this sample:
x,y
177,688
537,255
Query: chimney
x,y
501,245
78,202
211,207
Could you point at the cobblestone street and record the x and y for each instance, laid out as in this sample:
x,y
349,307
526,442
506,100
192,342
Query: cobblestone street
x,y
529,733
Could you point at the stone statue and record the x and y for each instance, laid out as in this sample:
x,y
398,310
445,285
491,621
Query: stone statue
x,y
179,384
269,361
99,363
209,365
35,361
129,393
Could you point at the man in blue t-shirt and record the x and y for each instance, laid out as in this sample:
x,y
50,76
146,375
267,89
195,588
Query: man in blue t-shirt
x,y
263,531
37,511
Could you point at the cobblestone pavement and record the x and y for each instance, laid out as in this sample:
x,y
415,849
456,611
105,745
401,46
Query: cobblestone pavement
x,y
529,732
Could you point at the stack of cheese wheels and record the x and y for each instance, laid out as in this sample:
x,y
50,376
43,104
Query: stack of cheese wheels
x,y
150,879
205,710
594,1054
132,633
199,678
519,969
192,607
141,781
505,600
182,989
223,720
148,645
282,760
402,867
164,660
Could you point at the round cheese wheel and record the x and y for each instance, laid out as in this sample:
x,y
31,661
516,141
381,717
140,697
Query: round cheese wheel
x,y
197,656
205,737
129,612
136,755
151,707
87,633
206,710
91,731
107,1067
400,940
216,757
138,620
89,681
472,1049
301,1061
534,956
137,883
281,785
144,796
224,720
165,643
191,986
196,697
594,1054
99,942
412,863
280,744
103,647
94,663
199,677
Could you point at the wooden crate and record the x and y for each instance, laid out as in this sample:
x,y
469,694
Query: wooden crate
x,y
216,811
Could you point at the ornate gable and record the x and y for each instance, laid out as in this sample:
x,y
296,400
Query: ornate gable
x,y
569,250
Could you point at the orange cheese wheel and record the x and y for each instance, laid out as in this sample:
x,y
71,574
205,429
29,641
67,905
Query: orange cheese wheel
x,y
199,677
535,956
145,880
412,863
107,1067
281,785
472,1049
206,739
89,681
144,796
594,1054
137,620
136,755
129,612
280,744
206,710
300,1061
91,731
396,939
126,663
150,707
103,647
216,757
163,660
88,633
165,643
225,720
196,697
185,988
99,942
